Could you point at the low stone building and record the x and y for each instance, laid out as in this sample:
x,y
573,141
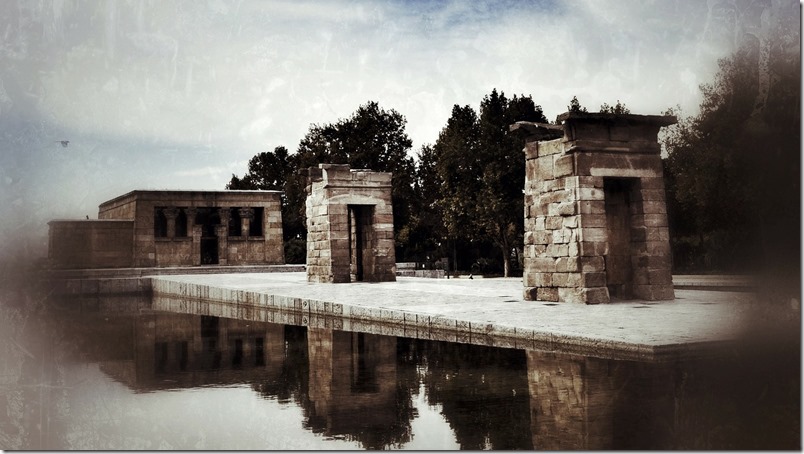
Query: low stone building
x,y
350,225
595,215
173,228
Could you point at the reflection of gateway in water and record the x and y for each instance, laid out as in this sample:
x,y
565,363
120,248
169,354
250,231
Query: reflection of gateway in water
x,y
360,386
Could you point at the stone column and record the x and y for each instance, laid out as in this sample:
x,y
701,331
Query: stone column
x,y
222,232
171,213
246,216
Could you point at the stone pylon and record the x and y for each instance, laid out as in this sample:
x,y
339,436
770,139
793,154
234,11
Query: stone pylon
x,y
350,225
595,214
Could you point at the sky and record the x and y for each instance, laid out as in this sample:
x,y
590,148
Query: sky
x,y
166,94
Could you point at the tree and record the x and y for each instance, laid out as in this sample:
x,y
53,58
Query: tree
x,y
575,105
734,169
499,208
480,172
371,138
278,170
619,108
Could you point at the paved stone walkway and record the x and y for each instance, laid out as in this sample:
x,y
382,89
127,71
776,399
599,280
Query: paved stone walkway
x,y
482,311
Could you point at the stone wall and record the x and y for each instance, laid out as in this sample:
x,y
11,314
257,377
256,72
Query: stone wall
x,y
90,243
595,216
350,225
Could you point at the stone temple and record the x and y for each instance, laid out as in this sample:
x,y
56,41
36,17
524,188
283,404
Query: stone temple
x,y
350,225
173,228
595,213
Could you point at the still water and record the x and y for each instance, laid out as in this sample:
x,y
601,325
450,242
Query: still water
x,y
78,376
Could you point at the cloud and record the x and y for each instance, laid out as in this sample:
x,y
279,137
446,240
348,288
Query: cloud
x,y
222,81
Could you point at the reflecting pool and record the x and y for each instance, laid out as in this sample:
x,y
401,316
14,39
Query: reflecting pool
x,y
116,374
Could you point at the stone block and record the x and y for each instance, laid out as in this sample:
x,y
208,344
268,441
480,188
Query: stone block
x,y
531,294
662,277
570,222
562,209
567,264
593,220
592,207
553,222
589,194
557,250
598,295
657,248
593,234
657,234
592,264
570,295
592,248
532,279
563,165
559,280
594,279
550,147
544,169
547,294
541,264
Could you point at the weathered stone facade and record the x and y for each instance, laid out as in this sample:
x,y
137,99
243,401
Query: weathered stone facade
x,y
173,228
595,215
350,225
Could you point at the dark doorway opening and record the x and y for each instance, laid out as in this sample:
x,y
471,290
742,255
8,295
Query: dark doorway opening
x,y
208,219
359,225
619,196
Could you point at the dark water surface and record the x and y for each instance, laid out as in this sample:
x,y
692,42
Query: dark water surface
x,y
80,376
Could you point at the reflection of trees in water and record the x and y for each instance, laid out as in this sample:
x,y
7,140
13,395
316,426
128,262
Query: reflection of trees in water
x,y
483,392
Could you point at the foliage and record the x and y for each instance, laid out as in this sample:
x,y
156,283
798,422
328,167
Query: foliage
x,y
277,170
733,170
619,108
575,105
476,172
372,138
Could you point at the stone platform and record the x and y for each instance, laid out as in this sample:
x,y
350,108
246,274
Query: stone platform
x,y
483,311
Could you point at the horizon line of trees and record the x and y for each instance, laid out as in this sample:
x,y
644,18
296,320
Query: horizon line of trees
x,y
732,174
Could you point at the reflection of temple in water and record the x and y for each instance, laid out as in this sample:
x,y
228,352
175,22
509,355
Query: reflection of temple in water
x,y
353,388
179,350
359,386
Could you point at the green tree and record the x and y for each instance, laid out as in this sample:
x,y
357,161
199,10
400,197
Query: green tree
x,y
734,169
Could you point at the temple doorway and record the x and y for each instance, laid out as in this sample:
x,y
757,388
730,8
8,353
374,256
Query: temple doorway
x,y
208,219
360,247
619,271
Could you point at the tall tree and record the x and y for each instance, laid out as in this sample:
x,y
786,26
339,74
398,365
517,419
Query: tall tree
x,y
500,202
481,172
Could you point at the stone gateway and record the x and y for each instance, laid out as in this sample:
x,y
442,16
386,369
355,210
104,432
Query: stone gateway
x,y
350,225
595,214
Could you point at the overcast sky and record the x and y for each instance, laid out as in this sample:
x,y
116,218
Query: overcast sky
x,y
166,94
